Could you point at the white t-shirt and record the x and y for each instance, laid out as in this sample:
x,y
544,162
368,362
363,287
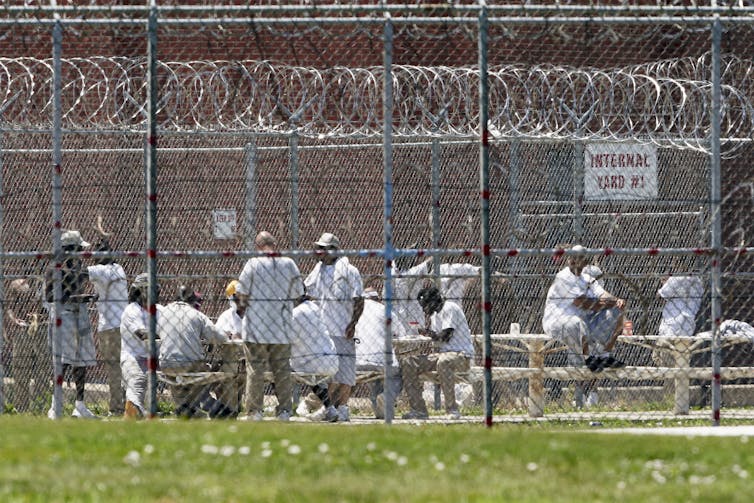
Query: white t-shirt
x,y
370,330
134,318
229,322
683,297
312,349
272,284
334,287
110,283
564,290
451,316
454,279
183,330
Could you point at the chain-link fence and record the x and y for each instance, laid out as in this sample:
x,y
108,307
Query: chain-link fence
x,y
171,136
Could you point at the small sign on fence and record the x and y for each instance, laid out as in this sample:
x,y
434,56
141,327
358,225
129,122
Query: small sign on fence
x,y
224,223
620,171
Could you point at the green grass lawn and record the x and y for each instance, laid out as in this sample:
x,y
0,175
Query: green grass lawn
x,y
177,461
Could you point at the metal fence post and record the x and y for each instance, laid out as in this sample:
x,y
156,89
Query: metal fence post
x,y
387,114
57,212
151,223
250,216
715,207
484,174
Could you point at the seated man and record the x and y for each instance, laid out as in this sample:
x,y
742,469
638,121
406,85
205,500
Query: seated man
x,y
370,349
583,315
183,331
313,352
453,352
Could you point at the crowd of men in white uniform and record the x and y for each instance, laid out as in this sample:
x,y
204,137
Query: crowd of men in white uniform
x,y
325,324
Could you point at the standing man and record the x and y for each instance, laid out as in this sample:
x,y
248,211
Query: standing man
x,y
337,286
453,353
267,289
75,330
583,316
109,281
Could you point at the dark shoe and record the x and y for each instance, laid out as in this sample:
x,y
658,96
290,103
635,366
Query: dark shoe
x,y
595,363
611,363
415,414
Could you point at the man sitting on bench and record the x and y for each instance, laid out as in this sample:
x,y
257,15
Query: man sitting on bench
x,y
584,316
452,353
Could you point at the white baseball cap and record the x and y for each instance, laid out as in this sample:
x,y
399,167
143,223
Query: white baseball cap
x,y
73,238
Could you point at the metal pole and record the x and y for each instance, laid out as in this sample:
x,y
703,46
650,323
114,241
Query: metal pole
x,y
436,228
387,114
250,219
578,192
151,223
715,207
2,278
57,212
484,175
293,161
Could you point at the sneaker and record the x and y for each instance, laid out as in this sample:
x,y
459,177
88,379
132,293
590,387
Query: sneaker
x,y
284,416
454,415
302,410
331,415
256,416
592,399
344,414
317,415
415,414
80,410
594,363
51,413
611,363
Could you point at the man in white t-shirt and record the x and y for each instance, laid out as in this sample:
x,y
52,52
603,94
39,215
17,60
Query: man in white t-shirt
x,y
110,283
683,297
453,352
337,287
370,349
581,314
313,352
267,287
134,327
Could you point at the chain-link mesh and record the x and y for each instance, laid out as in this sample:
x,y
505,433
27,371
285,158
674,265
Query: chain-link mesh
x,y
600,133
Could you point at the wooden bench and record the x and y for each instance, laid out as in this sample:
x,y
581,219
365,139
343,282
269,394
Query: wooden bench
x,y
537,346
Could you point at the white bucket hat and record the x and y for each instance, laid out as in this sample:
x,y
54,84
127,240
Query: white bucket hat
x,y
73,238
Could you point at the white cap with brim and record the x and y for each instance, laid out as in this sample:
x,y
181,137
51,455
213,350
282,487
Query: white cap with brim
x,y
328,240
73,238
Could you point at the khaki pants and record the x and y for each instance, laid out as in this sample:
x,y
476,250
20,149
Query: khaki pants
x,y
109,349
277,356
187,395
446,365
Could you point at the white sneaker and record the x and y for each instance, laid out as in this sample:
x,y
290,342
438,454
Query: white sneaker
x,y
81,411
284,416
343,414
454,415
317,415
302,410
51,413
256,416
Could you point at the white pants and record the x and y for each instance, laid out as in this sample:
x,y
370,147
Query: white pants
x,y
134,372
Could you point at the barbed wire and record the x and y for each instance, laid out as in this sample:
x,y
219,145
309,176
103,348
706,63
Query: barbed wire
x,y
667,102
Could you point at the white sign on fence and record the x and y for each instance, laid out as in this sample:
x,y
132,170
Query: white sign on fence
x,y
224,223
620,171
